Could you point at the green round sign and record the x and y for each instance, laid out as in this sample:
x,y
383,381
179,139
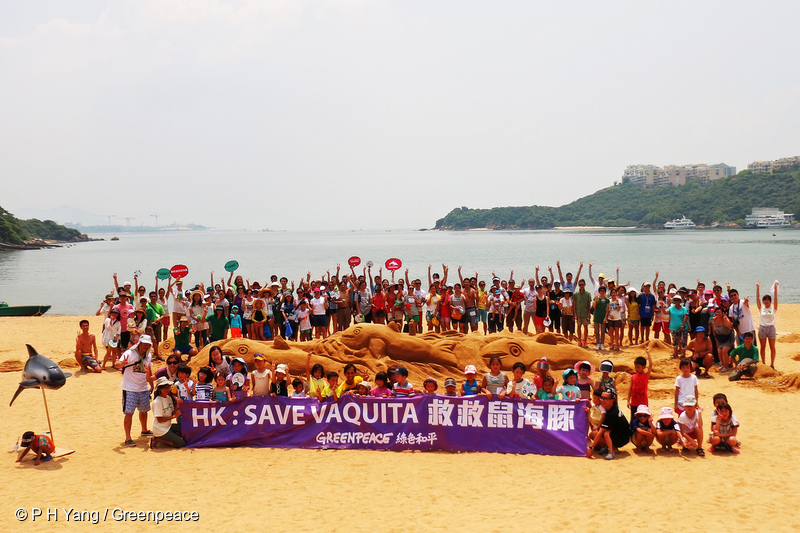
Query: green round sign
x,y
230,266
163,273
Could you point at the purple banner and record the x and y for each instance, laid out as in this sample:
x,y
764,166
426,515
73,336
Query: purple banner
x,y
471,423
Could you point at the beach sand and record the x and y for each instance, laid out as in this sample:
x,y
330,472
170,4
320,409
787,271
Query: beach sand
x,y
252,489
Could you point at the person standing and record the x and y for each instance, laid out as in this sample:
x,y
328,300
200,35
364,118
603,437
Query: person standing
x,y
137,379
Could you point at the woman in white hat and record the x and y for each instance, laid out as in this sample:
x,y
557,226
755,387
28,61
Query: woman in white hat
x,y
164,412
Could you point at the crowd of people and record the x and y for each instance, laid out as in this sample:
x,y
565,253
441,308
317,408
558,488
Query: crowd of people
x,y
703,326
705,321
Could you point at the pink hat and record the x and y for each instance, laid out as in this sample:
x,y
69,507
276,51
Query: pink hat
x,y
579,363
643,410
666,412
470,369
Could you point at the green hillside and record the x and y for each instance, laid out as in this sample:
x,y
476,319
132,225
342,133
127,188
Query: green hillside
x,y
726,200
16,231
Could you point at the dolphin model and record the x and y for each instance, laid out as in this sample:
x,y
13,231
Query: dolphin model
x,y
40,372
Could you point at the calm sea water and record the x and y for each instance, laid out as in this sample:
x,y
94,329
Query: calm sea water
x,y
74,279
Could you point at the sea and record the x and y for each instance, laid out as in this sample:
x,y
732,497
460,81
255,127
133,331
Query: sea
x,y
73,278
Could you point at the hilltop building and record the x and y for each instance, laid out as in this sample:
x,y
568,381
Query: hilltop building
x,y
768,167
673,175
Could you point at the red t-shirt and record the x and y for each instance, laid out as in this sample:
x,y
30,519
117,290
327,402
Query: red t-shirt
x,y
639,389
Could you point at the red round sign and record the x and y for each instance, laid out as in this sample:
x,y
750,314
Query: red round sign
x,y
354,261
178,271
393,264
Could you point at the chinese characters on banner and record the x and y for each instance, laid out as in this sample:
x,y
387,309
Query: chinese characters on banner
x,y
472,423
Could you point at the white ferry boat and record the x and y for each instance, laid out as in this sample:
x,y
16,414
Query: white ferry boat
x,y
680,223
772,222
768,217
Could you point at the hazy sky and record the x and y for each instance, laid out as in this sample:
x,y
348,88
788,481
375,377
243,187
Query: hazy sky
x,y
366,114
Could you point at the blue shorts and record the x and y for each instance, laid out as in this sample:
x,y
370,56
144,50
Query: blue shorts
x,y
318,321
483,315
183,349
132,401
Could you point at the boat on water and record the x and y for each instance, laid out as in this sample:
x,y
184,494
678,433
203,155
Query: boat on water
x,y
680,223
768,218
769,222
22,310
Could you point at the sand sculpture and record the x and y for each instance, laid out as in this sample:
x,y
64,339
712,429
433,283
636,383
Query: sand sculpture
x,y
374,348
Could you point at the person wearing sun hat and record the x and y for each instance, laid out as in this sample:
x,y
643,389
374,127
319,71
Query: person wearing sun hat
x,y
690,422
642,428
135,365
667,428
471,386
164,412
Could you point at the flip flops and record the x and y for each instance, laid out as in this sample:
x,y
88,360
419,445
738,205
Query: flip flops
x,y
129,442
147,433
701,452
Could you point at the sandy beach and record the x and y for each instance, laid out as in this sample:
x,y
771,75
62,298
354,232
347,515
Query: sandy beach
x,y
256,489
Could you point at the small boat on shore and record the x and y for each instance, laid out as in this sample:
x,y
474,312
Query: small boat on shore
x,y
22,310
680,223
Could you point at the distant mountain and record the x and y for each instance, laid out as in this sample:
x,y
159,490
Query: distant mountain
x,y
62,214
18,232
727,200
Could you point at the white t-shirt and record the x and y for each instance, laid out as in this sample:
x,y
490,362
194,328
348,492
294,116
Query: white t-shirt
x,y
179,306
742,312
689,424
318,305
523,389
767,316
530,299
134,378
162,407
686,387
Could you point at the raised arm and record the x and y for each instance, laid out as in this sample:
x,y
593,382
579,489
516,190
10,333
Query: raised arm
x,y
430,280
460,279
560,275
591,278
775,298
445,272
758,295
578,275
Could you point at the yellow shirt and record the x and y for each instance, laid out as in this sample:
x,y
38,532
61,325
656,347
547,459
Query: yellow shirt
x,y
344,387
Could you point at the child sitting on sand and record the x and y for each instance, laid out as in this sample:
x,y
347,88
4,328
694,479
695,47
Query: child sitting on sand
x,y
494,382
520,387
725,428
381,390
86,349
666,429
203,389
41,445
642,428
691,426
221,392
569,391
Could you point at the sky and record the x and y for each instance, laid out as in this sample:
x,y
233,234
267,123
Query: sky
x,y
360,114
